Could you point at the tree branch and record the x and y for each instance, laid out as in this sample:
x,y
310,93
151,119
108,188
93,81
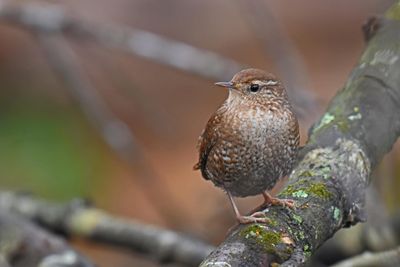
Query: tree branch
x,y
380,233
76,218
367,259
329,182
53,18
24,244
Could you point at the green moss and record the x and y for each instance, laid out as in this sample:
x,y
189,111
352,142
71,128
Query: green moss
x,y
297,218
290,230
272,222
393,12
320,190
267,238
307,174
303,189
326,119
325,171
289,250
300,193
339,115
307,254
336,213
300,235
343,125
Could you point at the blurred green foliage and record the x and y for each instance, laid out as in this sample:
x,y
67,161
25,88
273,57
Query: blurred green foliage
x,y
49,150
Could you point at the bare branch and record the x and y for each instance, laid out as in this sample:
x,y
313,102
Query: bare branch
x,y
65,62
172,53
76,218
24,244
52,18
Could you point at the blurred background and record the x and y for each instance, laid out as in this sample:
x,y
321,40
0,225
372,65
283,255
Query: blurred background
x,y
83,117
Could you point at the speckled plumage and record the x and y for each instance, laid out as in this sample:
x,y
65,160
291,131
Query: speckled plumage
x,y
251,141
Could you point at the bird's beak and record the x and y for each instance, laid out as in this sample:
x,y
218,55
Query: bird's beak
x,y
226,85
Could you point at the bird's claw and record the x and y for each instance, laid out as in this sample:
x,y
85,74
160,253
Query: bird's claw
x,y
273,201
290,203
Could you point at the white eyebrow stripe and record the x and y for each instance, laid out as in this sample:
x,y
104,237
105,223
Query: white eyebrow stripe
x,y
271,82
258,82
268,82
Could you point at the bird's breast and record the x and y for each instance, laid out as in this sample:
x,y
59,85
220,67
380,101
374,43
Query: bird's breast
x,y
253,150
255,125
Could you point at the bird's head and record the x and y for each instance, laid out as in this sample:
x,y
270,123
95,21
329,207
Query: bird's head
x,y
256,85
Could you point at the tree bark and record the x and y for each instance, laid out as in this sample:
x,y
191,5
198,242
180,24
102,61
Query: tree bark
x,y
328,184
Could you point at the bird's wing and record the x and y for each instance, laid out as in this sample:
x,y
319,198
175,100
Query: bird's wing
x,y
197,166
207,140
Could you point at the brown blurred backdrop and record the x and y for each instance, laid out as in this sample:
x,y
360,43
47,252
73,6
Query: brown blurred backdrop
x,y
48,146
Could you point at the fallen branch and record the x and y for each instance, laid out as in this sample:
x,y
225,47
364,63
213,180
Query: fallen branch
x,y
329,182
76,218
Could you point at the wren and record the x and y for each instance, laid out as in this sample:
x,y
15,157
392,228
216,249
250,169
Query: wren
x,y
251,141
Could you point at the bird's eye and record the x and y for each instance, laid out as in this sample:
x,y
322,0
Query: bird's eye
x,y
254,88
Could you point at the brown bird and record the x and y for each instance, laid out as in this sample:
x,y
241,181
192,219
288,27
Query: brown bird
x,y
251,141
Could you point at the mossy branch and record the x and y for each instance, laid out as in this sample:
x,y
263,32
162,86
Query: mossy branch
x,y
360,125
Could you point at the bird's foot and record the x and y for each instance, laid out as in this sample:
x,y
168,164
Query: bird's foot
x,y
256,217
274,201
290,203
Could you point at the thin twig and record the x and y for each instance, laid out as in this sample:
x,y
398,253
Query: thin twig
x,y
53,18
154,47
65,63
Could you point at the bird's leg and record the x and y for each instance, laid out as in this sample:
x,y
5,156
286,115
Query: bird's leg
x,y
268,199
256,217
